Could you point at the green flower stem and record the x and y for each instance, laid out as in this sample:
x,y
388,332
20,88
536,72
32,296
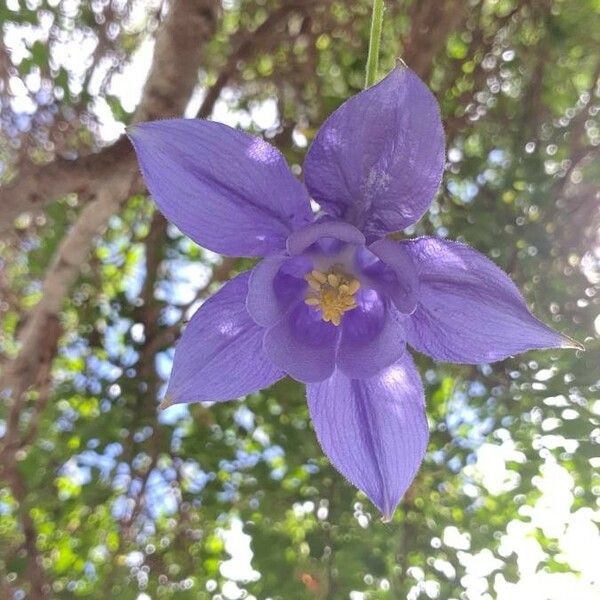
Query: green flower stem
x,y
374,43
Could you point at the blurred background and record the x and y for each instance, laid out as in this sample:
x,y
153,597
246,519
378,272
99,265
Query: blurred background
x,y
102,495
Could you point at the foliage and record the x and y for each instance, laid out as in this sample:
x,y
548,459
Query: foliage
x,y
123,499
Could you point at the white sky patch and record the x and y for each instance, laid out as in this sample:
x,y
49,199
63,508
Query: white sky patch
x,y
109,128
191,110
575,532
490,468
545,374
129,84
265,114
480,564
299,138
546,586
577,537
238,569
590,265
453,538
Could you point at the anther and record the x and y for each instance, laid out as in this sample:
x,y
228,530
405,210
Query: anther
x,y
320,277
332,293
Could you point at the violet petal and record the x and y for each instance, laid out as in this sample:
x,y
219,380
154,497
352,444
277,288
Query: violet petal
x,y
301,240
276,284
404,289
372,336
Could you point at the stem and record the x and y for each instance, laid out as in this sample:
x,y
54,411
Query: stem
x,y
374,43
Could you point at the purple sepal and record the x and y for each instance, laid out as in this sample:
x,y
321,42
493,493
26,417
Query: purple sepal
x,y
469,310
374,431
220,354
377,161
230,192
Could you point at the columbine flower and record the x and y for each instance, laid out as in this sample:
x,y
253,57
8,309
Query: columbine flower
x,y
333,302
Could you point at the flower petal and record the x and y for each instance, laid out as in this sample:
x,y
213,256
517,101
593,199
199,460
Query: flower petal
x,y
378,159
228,191
374,431
469,310
220,355
404,288
301,240
372,336
302,344
276,284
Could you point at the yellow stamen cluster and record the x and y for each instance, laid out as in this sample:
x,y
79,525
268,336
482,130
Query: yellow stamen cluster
x,y
333,293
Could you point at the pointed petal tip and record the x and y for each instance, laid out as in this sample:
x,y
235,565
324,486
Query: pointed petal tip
x,y
130,132
132,129
135,130
571,344
387,508
134,133
374,431
166,403
400,64
489,331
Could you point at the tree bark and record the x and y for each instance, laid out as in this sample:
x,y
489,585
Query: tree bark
x,y
431,22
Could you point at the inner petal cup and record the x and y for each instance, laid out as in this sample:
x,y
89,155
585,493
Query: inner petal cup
x,y
276,284
391,272
301,240
329,305
302,344
365,322
372,336
279,283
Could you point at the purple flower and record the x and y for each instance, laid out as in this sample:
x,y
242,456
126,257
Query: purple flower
x,y
333,301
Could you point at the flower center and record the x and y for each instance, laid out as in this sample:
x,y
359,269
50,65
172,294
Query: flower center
x,y
332,292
